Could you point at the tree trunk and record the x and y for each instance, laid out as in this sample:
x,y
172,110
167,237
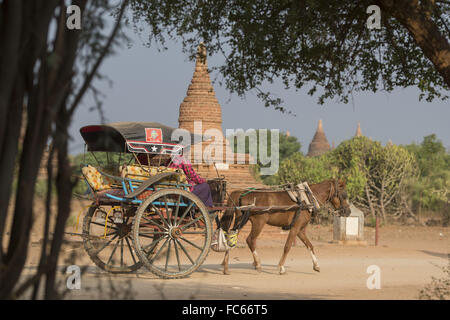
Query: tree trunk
x,y
10,37
369,201
423,30
8,157
382,197
64,187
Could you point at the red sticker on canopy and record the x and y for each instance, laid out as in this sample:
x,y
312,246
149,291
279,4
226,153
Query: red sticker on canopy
x,y
153,135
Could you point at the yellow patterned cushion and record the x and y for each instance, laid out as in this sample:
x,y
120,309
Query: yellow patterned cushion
x,y
140,173
95,179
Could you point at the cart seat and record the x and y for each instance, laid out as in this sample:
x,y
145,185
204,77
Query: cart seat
x,y
143,172
96,180
102,195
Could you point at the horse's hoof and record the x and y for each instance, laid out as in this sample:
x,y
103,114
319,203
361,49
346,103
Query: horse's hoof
x,y
282,270
227,273
316,268
258,269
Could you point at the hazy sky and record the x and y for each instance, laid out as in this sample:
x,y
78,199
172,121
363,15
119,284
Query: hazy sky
x,y
149,86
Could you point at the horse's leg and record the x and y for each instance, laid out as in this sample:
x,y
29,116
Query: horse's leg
x,y
258,223
287,247
225,261
302,235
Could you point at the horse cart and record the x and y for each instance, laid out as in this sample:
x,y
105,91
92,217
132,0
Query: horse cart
x,y
144,213
141,214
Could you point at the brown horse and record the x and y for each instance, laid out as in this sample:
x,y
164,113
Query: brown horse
x,y
328,191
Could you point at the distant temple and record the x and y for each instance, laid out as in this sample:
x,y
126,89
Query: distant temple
x,y
319,144
358,131
200,104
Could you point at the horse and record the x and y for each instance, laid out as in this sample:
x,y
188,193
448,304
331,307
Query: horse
x,y
328,191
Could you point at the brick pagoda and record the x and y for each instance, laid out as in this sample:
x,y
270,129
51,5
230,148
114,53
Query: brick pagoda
x,y
201,104
319,144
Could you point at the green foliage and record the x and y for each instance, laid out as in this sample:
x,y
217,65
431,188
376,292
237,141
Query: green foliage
x,y
299,168
354,159
432,189
385,179
376,176
321,45
288,146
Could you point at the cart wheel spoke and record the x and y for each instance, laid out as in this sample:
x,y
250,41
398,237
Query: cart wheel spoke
x,y
148,233
191,223
121,253
159,251
168,254
191,243
177,255
106,244
167,211
177,208
154,223
103,225
152,246
185,213
131,250
112,253
160,215
185,252
194,232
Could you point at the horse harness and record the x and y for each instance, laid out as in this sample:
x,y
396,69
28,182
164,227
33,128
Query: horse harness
x,y
301,194
336,194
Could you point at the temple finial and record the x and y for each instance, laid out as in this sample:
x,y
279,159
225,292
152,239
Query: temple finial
x,y
358,130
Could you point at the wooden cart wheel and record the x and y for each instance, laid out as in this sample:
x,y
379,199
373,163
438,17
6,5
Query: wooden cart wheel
x,y
172,232
108,244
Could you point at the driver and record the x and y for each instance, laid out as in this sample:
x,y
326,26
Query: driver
x,y
199,186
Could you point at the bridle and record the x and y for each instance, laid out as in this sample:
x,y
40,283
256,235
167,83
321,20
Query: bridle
x,y
334,193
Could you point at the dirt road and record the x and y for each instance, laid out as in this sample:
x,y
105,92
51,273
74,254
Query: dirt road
x,y
407,257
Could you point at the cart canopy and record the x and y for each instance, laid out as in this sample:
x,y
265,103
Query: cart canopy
x,y
139,137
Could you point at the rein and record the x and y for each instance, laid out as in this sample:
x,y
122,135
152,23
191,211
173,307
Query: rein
x,y
334,193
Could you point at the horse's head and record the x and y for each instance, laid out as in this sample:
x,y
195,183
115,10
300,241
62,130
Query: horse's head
x,y
338,197
218,188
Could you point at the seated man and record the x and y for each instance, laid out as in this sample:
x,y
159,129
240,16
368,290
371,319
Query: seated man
x,y
199,185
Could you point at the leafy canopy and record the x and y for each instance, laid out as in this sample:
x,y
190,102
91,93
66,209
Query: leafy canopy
x,y
322,45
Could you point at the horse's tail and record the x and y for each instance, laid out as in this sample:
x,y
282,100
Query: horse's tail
x,y
227,218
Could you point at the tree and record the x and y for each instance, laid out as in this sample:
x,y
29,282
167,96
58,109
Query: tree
x,y
377,176
354,158
395,168
432,189
45,71
298,168
322,45
288,145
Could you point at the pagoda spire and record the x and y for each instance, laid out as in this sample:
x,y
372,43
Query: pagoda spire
x,y
319,144
358,130
200,103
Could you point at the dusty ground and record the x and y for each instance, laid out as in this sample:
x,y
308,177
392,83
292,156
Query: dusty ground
x,y
407,256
